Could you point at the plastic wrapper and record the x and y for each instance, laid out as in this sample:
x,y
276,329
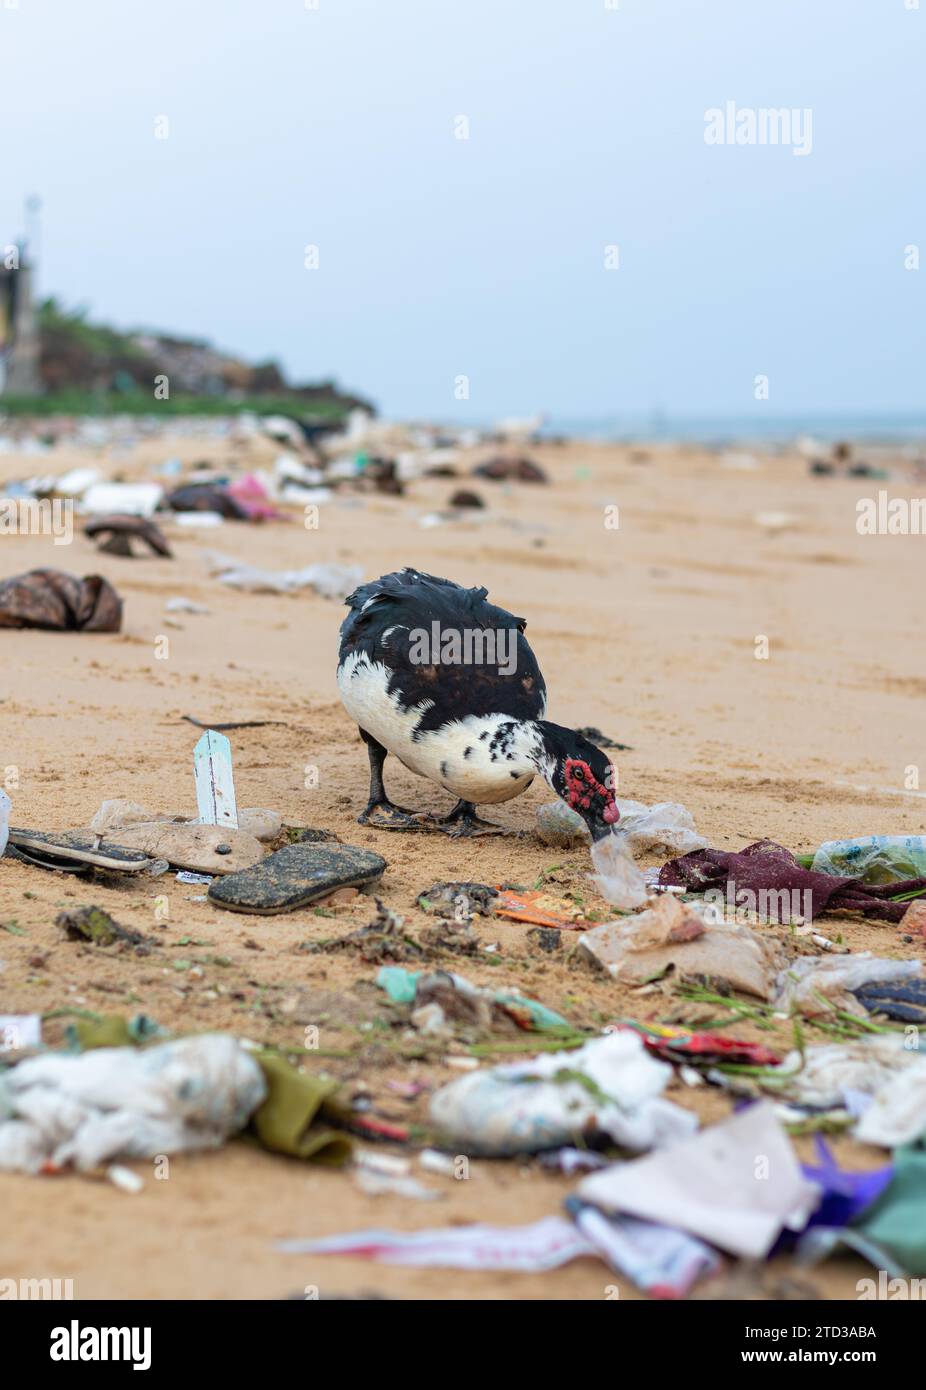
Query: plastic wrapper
x,y
874,858
610,1086
618,879
813,985
114,1102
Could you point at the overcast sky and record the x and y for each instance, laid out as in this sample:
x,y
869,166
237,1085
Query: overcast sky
x,y
441,257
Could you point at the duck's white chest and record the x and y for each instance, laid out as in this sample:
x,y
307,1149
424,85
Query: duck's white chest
x,y
478,758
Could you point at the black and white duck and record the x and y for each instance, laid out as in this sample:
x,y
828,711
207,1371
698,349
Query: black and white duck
x,y
447,682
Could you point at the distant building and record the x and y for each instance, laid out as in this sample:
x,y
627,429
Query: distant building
x,y
19,333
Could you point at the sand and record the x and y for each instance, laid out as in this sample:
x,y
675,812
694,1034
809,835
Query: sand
x,y
648,631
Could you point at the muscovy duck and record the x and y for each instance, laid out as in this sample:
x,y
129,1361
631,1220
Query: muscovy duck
x,y
446,681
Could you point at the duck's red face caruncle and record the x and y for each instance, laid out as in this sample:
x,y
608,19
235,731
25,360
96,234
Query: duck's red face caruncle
x,y
590,792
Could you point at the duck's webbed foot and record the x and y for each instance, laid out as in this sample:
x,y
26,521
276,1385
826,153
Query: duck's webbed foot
x,y
463,823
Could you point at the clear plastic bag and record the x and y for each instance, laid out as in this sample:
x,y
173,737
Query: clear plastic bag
x,y
874,858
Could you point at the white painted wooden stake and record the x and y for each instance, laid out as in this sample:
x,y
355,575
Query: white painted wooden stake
x,y
215,788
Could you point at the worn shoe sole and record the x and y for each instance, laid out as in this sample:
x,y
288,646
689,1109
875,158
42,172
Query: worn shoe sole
x,y
78,846
295,876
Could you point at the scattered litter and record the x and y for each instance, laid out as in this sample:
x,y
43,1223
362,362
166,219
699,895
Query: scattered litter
x,y
295,876
548,939
546,1244
186,876
374,1180
896,1221
203,849
215,787
618,879
813,985
662,1262
114,535
767,877
904,1002
666,826
124,1178
128,1102
710,1186
874,858
560,826
682,1046
73,849
638,949
458,997
123,499
52,599
330,581
20,1031
610,1086
878,1079
207,497
510,469
444,899
95,925
185,605
433,1162
569,1161
528,906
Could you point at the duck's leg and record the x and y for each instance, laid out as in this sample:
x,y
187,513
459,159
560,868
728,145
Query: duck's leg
x,y
380,811
463,823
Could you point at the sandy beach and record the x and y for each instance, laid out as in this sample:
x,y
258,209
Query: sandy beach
x,y
648,631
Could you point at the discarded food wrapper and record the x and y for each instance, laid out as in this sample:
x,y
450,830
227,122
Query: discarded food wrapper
x,y
609,1086
701,1049
709,1185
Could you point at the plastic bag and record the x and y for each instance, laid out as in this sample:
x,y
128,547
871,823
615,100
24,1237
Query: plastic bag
x,y
611,1085
667,825
800,987
112,1101
874,858
618,879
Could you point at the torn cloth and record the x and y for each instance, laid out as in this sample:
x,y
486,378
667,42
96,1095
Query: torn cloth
x,y
766,871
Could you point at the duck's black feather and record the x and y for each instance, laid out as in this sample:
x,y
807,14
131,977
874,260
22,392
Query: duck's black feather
x,y
406,601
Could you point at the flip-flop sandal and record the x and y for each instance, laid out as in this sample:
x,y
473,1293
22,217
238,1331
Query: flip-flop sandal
x,y
61,866
295,876
77,846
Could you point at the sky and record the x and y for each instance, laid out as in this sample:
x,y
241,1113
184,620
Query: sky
x,y
469,278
